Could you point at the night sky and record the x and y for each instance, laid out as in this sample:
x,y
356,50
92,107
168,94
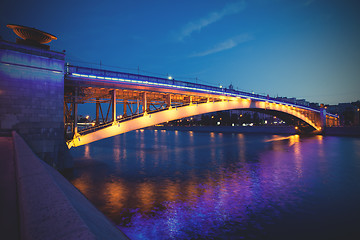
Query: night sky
x,y
301,48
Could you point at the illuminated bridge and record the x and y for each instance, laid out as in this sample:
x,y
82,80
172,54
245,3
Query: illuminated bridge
x,y
147,101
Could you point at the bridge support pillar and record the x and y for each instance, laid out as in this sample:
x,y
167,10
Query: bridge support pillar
x,y
168,101
137,106
322,118
337,123
75,113
144,103
97,122
113,102
125,108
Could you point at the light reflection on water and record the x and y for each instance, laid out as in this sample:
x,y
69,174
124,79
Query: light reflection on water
x,y
183,185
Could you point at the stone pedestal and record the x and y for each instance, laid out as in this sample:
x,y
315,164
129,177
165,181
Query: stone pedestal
x,y
32,99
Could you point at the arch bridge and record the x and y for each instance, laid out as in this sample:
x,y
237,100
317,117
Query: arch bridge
x,y
146,101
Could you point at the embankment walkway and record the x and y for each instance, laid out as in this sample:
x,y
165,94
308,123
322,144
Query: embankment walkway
x,y
37,202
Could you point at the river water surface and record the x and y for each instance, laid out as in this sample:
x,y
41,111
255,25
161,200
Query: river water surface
x,y
157,184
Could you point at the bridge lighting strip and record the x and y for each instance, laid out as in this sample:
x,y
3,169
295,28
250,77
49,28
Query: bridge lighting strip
x,y
195,89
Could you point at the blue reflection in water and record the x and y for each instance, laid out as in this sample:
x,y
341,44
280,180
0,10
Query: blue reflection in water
x,y
188,185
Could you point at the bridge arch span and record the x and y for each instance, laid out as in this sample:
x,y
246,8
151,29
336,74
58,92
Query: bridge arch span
x,y
174,113
290,119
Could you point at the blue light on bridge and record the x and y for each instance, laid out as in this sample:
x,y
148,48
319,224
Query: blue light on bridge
x,y
221,90
163,84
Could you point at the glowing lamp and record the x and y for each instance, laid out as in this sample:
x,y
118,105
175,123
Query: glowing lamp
x,y
32,34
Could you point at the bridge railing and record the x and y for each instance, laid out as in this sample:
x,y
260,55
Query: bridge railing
x,y
108,74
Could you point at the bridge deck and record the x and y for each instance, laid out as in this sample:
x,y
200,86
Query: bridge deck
x,y
89,77
87,85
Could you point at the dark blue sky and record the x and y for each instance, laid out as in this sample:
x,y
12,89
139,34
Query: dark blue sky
x,y
302,48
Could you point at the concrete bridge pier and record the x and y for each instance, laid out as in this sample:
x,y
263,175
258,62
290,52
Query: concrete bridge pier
x,y
32,99
322,118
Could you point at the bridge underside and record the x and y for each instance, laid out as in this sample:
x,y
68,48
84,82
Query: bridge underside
x,y
300,124
150,118
143,106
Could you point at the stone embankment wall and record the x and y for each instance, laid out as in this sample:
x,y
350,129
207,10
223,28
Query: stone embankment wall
x,y
343,131
49,207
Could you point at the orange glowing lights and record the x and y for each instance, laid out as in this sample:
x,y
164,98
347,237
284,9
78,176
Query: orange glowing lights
x,y
32,34
179,113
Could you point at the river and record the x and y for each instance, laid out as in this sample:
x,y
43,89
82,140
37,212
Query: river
x,y
157,184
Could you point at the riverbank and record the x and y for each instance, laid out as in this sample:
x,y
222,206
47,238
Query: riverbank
x,y
342,131
329,131
39,203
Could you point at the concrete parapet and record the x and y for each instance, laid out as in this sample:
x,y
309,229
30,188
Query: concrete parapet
x,y
50,207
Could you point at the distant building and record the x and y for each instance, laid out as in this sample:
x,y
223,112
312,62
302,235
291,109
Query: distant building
x,y
302,102
314,105
348,113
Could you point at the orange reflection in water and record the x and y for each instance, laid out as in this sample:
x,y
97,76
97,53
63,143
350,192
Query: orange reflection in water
x,y
87,151
191,133
83,184
294,139
191,190
320,140
241,146
117,154
276,138
323,166
213,149
171,191
278,145
115,194
146,195
116,150
298,154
